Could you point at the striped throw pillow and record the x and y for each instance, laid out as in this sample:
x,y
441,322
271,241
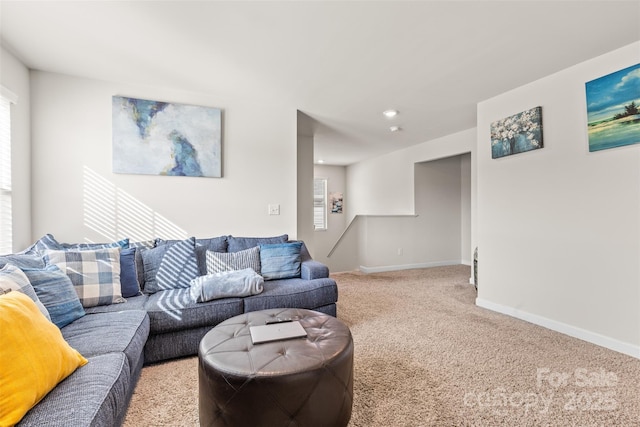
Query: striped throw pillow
x,y
218,262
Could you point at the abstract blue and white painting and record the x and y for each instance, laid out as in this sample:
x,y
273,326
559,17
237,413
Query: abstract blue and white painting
x,y
163,138
613,109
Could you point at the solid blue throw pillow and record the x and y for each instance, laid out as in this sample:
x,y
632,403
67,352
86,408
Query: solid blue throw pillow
x,y
280,260
128,273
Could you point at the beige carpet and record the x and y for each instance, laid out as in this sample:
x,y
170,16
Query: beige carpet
x,y
425,355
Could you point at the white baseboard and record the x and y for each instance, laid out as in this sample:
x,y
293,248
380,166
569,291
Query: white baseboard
x,y
382,269
572,331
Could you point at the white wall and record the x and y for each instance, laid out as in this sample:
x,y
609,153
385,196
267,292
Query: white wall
x,y
385,189
465,209
336,223
438,204
433,236
558,228
15,77
77,197
305,190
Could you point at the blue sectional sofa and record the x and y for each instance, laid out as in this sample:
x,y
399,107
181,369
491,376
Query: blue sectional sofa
x,y
161,322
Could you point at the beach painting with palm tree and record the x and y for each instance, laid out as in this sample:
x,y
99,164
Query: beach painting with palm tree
x,y
613,109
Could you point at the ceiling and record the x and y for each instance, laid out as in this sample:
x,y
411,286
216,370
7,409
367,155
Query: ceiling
x,y
341,63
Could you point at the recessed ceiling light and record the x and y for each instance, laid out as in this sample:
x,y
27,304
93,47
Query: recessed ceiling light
x,y
395,128
390,113
320,161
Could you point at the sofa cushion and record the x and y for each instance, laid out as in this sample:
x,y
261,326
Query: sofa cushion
x,y
169,345
241,243
216,244
293,293
218,262
170,266
175,310
100,333
95,274
57,294
33,354
97,394
14,279
133,303
148,244
280,260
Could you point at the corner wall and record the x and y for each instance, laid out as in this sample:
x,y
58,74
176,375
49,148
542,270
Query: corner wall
x,y
558,228
76,197
387,202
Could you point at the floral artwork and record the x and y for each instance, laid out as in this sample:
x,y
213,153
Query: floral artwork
x,y
161,138
336,202
517,134
613,109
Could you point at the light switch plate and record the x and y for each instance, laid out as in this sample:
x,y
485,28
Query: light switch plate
x,y
274,209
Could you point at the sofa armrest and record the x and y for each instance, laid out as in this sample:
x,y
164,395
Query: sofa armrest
x,y
310,269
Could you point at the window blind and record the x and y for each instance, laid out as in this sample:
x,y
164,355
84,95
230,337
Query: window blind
x,y
319,204
6,240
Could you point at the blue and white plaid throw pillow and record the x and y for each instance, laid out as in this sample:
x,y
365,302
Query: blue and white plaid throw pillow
x,y
95,274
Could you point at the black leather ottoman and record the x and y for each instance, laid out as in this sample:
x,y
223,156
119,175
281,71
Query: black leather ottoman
x,y
297,382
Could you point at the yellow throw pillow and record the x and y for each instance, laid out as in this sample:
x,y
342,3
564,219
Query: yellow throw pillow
x,y
34,357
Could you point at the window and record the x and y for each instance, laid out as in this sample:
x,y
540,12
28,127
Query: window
x,y
6,241
319,204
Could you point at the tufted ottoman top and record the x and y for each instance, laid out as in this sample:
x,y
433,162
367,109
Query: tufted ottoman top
x,y
295,382
229,348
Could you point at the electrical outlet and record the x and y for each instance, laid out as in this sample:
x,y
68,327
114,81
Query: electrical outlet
x,y
274,209
399,251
